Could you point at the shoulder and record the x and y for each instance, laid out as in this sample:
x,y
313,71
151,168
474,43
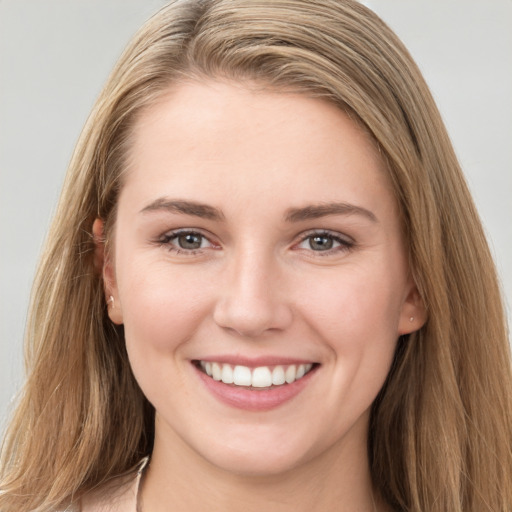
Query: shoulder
x,y
119,495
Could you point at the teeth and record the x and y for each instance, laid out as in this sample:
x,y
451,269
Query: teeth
x,y
278,376
227,374
290,374
242,376
260,377
216,371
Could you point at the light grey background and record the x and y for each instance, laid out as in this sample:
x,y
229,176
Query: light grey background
x,y
56,54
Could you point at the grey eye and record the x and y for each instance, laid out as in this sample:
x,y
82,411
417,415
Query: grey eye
x,y
190,241
321,242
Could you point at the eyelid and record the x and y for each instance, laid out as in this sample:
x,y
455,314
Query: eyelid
x,y
346,242
168,237
326,232
179,231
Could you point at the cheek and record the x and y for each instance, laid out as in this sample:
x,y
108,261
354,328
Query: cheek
x,y
162,304
354,301
163,307
356,315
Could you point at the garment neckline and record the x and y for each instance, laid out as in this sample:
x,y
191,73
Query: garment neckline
x,y
144,463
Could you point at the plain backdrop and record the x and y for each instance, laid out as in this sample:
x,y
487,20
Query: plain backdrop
x,y
56,54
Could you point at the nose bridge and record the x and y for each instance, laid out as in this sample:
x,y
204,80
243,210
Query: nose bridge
x,y
252,299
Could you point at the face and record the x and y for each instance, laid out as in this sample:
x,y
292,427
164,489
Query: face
x,y
260,274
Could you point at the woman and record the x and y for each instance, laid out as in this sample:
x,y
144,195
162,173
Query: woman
x,y
267,275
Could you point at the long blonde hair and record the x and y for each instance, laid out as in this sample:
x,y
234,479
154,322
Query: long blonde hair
x,y
441,429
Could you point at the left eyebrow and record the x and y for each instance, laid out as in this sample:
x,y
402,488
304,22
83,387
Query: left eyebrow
x,y
196,209
324,209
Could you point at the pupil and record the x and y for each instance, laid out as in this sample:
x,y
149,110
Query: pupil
x,y
189,241
321,243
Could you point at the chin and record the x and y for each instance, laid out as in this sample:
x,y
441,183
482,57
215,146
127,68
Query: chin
x,y
261,455
256,464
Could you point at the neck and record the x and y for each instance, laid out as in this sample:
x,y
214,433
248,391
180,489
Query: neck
x,y
336,480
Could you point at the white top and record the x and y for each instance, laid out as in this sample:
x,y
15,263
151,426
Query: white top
x,y
120,495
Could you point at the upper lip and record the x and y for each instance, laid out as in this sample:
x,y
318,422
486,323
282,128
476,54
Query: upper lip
x,y
254,362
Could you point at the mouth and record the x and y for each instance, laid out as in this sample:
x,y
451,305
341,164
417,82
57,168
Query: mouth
x,y
260,378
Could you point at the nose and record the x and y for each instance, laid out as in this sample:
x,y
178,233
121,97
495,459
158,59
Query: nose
x,y
253,299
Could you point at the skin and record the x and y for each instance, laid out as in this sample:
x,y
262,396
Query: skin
x,y
257,287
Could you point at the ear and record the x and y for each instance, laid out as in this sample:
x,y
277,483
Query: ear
x,y
104,267
413,314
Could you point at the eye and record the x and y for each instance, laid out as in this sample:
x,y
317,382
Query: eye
x,y
325,242
185,241
321,242
190,240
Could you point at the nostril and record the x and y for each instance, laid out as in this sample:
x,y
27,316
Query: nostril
x,y
251,317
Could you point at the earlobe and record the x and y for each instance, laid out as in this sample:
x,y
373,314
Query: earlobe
x,y
103,266
413,315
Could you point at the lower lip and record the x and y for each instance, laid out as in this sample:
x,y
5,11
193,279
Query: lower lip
x,y
254,400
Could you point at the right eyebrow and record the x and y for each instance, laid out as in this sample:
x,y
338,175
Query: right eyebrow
x,y
316,211
196,209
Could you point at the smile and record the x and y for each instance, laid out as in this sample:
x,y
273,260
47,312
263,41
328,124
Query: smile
x,y
261,377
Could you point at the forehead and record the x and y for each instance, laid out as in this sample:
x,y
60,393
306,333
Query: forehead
x,y
222,140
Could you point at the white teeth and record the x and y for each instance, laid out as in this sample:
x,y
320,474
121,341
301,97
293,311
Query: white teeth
x,y
227,374
242,376
290,374
260,377
278,376
216,371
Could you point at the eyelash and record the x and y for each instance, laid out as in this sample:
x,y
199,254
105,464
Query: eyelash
x,y
345,244
168,238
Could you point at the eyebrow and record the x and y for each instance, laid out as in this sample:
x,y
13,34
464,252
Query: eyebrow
x,y
206,211
202,210
324,209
